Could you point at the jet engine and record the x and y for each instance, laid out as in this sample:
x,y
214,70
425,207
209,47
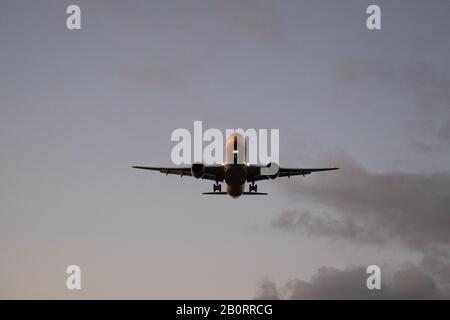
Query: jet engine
x,y
197,170
271,170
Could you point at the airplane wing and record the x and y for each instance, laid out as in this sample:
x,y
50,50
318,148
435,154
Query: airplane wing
x,y
214,173
254,172
288,172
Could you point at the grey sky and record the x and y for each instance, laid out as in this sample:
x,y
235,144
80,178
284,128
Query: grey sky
x,y
78,108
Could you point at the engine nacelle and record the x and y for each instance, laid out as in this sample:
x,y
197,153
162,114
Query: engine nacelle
x,y
271,170
197,170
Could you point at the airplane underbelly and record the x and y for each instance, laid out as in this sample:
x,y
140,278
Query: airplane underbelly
x,y
235,191
235,175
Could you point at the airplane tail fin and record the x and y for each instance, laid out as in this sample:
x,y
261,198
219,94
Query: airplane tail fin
x,y
246,160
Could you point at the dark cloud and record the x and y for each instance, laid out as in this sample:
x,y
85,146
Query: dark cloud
x,y
266,290
374,207
438,264
333,284
325,224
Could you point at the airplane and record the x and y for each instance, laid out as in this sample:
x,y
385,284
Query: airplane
x,y
235,171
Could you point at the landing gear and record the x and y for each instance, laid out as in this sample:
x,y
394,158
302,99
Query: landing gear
x,y
253,187
217,187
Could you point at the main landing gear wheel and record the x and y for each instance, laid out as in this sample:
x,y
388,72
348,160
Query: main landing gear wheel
x,y
217,187
253,187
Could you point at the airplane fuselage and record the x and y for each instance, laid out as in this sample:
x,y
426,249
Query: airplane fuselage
x,y
235,169
235,177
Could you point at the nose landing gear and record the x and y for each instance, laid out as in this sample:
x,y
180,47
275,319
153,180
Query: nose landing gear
x,y
217,187
253,187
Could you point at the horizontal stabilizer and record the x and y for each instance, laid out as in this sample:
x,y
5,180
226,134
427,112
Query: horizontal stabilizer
x,y
215,193
244,194
254,194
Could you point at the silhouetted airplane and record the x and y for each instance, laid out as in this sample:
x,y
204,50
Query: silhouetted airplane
x,y
235,171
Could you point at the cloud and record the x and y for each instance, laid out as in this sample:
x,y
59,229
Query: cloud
x,y
334,284
325,224
266,290
367,208
372,207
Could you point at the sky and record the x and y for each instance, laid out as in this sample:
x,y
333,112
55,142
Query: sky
x,y
78,108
